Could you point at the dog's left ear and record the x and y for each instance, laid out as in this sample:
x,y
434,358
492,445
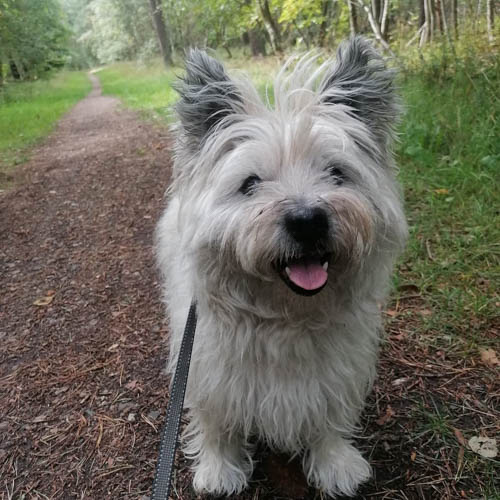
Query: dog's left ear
x,y
361,80
208,96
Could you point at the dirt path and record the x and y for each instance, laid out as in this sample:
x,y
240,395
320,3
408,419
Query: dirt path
x,y
81,383
82,391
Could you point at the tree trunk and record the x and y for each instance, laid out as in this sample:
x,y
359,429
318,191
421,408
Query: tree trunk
x,y
430,11
376,28
428,26
421,13
353,17
271,25
15,70
454,17
490,20
325,9
438,8
476,15
446,29
257,42
384,19
376,10
161,32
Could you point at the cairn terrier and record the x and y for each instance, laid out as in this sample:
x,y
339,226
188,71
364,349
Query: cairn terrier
x,y
283,223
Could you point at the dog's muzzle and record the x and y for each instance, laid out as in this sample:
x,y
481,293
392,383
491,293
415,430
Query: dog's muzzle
x,y
307,274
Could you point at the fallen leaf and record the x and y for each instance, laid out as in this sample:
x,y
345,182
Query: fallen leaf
x,y
399,336
484,446
460,436
413,455
383,419
45,301
391,313
489,357
460,458
441,191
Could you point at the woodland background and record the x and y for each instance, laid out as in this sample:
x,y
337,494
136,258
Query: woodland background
x,y
37,35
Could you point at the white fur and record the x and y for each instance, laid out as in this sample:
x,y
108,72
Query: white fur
x,y
292,370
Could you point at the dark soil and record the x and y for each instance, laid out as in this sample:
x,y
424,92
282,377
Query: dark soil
x,y
82,386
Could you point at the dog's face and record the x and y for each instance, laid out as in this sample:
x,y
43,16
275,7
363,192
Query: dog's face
x,y
298,193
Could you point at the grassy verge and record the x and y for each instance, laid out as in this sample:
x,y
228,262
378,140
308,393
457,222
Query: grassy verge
x,y
450,158
29,110
144,88
148,87
436,387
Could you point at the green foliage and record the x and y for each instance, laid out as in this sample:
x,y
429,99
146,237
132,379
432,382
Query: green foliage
x,y
29,110
450,159
33,38
212,23
112,30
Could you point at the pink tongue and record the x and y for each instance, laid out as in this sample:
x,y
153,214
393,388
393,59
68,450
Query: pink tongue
x,y
308,275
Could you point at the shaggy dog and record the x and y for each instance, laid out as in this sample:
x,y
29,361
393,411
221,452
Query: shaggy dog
x,y
283,223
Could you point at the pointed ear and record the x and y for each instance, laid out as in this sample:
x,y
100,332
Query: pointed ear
x,y
207,96
360,79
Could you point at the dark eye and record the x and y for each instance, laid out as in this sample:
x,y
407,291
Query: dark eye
x,y
250,184
337,174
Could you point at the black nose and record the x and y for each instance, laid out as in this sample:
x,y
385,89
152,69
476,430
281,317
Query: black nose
x,y
307,224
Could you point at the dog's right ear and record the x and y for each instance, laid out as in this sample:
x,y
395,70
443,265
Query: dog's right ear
x,y
207,96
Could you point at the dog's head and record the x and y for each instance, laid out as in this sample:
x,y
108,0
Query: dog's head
x,y
303,190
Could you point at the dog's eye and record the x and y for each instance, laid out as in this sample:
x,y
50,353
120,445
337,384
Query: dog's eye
x,y
250,184
337,174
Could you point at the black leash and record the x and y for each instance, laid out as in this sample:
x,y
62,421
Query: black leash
x,y
168,443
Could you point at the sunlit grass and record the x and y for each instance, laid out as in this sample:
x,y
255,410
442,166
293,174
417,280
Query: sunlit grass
x,y
29,111
450,160
145,87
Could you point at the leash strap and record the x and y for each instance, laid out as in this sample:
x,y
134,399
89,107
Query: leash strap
x,y
168,443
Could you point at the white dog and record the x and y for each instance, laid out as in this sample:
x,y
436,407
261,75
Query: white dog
x,y
283,222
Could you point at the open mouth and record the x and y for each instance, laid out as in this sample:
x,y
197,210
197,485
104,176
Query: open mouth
x,y
306,275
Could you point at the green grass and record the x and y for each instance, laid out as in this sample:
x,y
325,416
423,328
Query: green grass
x,y
449,158
29,110
148,87
144,88
450,169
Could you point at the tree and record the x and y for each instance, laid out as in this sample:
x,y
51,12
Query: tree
x,y
353,17
33,38
490,19
271,25
161,32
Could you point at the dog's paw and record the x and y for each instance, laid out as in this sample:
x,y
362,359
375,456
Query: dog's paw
x,y
337,468
220,476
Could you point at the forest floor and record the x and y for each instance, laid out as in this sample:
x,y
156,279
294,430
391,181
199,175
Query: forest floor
x,y
82,385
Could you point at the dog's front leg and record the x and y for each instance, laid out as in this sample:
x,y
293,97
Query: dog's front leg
x,y
222,462
333,465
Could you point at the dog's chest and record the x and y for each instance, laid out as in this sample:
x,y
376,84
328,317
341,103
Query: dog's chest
x,y
279,380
